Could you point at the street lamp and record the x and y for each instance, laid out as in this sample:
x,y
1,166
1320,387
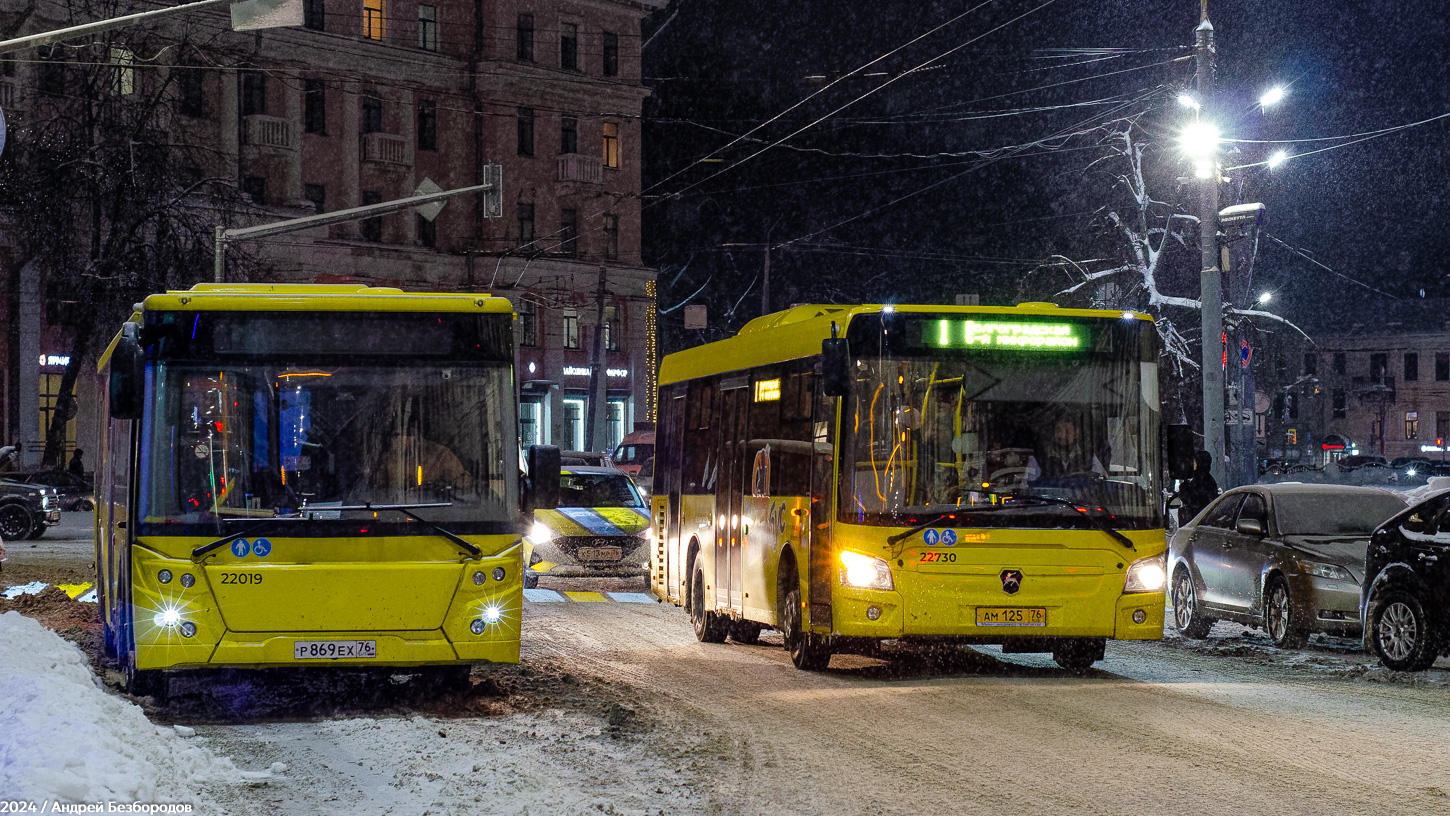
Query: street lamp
x,y
1272,97
1277,159
1265,298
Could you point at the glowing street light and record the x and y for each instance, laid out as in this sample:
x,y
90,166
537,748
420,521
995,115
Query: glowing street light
x,y
1199,140
1277,159
1272,97
1265,298
1186,100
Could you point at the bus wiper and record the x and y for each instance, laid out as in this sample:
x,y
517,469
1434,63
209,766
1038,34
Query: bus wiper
x,y
1096,520
305,511
892,540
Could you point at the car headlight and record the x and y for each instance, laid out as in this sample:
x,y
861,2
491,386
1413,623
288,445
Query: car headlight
x,y
1147,574
1322,570
865,571
541,534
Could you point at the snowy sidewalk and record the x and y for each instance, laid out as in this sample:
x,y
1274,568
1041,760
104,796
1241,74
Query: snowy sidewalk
x,y
63,738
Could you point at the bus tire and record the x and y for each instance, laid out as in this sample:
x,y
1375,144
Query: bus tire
x,y
1079,654
531,581
746,632
710,627
808,651
144,682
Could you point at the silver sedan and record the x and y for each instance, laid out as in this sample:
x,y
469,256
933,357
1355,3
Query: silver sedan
x,y
1288,557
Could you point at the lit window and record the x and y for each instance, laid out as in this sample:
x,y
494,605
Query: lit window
x,y
571,329
611,145
373,19
428,28
125,78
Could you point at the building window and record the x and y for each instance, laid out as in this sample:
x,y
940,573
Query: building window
x,y
1293,406
1337,403
574,423
317,194
569,46
614,413
1412,424
52,70
571,329
526,223
568,135
1442,366
373,19
123,81
528,323
1376,430
611,145
372,112
314,106
1339,365
568,231
254,93
427,124
612,328
190,90
371,228
1442,426
314,14
531,422
1291,436
1311,364
526,37
526,131
428,27
611,54
7,67
427,232
611,236
256,188
1378,366
1412,366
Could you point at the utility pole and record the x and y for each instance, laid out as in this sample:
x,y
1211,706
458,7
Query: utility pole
x,y
1211,276
765,288
593,432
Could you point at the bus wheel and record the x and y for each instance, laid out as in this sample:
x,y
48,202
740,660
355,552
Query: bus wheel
x,y
1079,654
531,581
808,651
145,682
710,627
745,632
14,522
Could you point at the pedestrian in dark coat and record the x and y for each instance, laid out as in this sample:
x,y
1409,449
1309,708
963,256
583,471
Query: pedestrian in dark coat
x,y
1199,490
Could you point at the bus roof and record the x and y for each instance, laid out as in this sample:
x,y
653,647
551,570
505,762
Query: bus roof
x,y
319,297
797,332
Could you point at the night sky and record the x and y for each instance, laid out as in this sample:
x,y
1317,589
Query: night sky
x,y
863,206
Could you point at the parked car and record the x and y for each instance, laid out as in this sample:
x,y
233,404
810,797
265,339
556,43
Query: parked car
x,y
27,510
1406,596
75,491
589,458
1368,460
599,529
1289,557
636,449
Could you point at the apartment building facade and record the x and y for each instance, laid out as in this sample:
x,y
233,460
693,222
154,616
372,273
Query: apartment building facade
x,y
363,104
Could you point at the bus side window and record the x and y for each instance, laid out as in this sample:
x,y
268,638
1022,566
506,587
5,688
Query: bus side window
x,y
699,436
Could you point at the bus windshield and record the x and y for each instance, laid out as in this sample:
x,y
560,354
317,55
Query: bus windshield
x,y
235,441
931,433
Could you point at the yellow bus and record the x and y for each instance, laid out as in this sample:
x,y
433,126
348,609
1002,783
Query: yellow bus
x,y
976,475
302,475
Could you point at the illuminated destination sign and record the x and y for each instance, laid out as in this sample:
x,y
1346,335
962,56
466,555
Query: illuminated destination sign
x,y
767,390
994,334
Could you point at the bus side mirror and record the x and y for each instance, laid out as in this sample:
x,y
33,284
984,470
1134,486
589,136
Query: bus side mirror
x,y
1180,451
835,367
543,477
128,379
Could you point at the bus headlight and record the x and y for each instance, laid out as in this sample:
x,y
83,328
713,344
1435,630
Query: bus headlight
x,y
541,534
167,617
1147,574
865,571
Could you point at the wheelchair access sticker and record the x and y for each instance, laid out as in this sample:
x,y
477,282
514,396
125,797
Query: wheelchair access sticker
x,y
948,537
241,547
261,548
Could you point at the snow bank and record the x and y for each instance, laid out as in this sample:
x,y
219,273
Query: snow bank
x,y
62,737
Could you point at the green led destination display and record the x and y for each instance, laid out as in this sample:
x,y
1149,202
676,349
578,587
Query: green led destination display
x,y
1002,335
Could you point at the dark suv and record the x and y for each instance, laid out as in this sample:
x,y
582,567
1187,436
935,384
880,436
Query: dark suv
x,y
1405,603
26,510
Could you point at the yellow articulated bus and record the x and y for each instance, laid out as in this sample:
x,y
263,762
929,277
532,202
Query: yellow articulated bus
x,y
299,475
854,475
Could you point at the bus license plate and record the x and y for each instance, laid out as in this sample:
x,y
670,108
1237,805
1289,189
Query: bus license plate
x,y
1011,616
600,553
333,649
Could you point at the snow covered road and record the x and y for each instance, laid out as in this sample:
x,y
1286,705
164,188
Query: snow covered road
x,y
618,710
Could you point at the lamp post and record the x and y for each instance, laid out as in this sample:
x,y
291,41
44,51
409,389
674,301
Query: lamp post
x,y
1201,143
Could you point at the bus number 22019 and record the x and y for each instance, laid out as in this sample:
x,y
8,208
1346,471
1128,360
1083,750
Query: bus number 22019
x,y
241,578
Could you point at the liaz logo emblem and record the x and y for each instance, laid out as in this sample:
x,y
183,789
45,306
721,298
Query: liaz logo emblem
x,y
1011,581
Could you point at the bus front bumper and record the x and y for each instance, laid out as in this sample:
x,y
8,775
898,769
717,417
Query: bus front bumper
x,y
944,610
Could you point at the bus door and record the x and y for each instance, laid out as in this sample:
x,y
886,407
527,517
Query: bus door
x,y
668,468
734,470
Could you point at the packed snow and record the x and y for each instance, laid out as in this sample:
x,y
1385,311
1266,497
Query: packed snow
x,y
63,738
